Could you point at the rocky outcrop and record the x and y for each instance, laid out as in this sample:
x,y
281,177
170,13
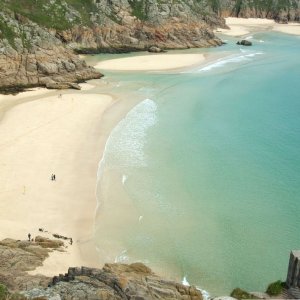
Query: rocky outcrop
x,y
32,56
17,257
37,42
116,38
114,281
124,25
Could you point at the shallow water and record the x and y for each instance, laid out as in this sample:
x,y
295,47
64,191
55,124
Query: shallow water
x,y
201,179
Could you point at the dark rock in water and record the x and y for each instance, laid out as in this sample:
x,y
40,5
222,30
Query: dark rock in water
x,y
244,43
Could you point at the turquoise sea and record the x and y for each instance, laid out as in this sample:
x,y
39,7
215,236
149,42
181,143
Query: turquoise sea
x,y
201,179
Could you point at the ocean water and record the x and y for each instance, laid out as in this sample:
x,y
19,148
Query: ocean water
x,y
201,179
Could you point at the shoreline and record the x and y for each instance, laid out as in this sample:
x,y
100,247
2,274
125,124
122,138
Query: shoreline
x,y
93,106
82,115
243,26
59,133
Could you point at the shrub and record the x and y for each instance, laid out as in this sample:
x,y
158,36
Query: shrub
x,y
275,288
241,294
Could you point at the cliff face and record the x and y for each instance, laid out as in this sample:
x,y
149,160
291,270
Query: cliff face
x,y
136,25
32,56
279,10
37,37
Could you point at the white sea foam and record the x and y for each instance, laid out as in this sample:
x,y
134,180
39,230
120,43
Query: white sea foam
x,y
205,294
229,60
185,281
122,258
250,37
254,54
124,179
125,145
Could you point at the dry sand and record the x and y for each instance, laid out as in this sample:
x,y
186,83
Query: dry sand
x,y
241,26
43,133
152,62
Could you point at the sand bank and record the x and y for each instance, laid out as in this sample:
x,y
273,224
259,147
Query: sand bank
x,y
291,28
152,62
42,133
241,26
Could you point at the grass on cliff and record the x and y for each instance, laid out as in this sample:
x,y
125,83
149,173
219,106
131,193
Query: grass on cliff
x,y
6,32
6,295
3,292
53,14
138,9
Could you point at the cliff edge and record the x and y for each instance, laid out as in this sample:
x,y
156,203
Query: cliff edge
x,y
39,39
113,281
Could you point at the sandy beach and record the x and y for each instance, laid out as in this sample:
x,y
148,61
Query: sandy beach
x,y
45,132
241,26
50,132
152,62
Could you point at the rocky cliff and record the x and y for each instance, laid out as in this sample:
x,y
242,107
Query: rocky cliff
x,y
114,281
33,56
280,10
120,25
38,37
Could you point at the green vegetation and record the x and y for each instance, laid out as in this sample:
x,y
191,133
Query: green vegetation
x,y
3,292
53,14
275,288
6,295
241,294
7,32
138,9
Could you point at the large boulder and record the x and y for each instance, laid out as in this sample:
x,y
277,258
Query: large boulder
x,y
244,43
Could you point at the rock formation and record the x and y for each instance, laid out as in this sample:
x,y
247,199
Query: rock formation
x,y
114,281
244,43
38,39
32,56
17,257
280,11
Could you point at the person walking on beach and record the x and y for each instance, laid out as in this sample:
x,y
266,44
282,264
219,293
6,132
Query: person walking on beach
x,y
29,237
54,178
